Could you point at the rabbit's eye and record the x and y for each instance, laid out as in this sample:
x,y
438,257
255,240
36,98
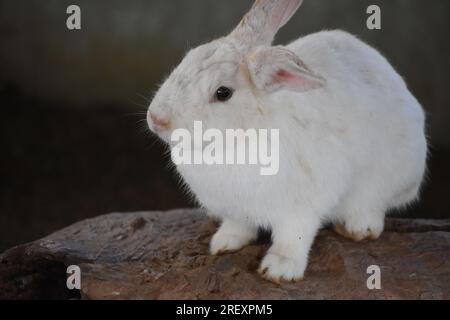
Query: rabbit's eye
x,y
224,93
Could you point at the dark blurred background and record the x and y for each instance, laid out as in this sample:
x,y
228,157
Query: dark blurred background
x,y
73,143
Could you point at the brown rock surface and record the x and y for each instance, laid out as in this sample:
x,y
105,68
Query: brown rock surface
x,y
164,255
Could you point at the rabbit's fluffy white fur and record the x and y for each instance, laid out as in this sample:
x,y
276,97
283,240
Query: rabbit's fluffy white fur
x,y
352,141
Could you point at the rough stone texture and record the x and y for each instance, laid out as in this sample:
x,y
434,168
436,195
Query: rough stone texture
x,y
164,255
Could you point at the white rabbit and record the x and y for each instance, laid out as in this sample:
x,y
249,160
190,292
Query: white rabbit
x,y
352,141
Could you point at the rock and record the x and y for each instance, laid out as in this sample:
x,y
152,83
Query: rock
x,y
164,255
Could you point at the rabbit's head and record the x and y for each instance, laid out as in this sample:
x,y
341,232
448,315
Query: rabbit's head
x,y
227,83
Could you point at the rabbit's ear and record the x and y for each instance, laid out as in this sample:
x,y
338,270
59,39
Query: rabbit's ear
x,y
262,22
276,68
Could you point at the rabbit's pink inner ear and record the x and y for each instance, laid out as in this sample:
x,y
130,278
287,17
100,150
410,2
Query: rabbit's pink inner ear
x,y
294,81
284,77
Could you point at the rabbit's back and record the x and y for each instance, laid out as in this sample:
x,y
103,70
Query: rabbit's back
x,y
380,124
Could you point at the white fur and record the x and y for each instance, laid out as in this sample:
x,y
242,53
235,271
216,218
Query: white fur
x,y
349,150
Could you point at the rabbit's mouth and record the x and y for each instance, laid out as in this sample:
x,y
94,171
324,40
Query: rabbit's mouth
x,y
160,128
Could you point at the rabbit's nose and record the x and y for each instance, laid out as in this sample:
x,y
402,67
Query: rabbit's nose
x,y
159,124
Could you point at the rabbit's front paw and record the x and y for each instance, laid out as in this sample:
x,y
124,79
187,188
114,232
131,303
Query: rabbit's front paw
x,y
231,237
276,267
